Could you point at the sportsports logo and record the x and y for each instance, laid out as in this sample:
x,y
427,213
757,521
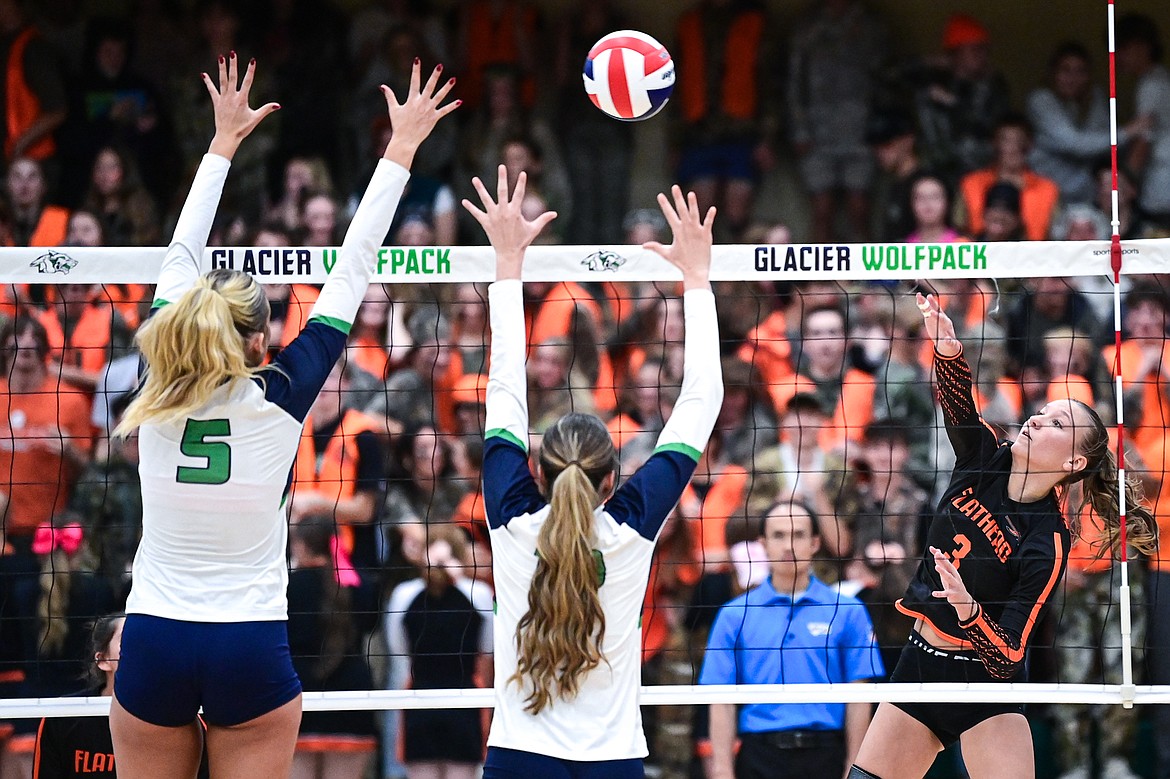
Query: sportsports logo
x,y
53,262
604,260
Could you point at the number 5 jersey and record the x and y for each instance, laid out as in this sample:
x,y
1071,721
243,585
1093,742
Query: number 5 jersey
x,y
214,530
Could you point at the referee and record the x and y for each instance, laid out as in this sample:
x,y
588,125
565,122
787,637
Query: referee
x,y
792,629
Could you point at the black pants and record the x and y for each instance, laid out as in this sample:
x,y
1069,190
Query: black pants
x,y
791,755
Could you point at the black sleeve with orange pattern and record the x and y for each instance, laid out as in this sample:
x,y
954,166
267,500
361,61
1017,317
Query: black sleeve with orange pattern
x,y
1001,644
970,436
995,646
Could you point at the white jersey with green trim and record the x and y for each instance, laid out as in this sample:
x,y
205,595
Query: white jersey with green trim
x,y
602,722
214,530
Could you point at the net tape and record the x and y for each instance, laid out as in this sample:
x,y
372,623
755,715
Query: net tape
x,y
437,265
432,265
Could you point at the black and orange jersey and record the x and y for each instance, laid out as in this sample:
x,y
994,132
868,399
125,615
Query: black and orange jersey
x,y
81,747
74,747
1010,555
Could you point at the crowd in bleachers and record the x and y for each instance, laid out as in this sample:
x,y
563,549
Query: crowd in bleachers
x,y
828,384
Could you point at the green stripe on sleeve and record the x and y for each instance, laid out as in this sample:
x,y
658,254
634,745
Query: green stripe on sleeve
x,y
336,324
689,451
159,303
508,435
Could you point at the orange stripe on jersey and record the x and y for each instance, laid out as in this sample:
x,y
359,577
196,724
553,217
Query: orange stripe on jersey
x,y
1014,654
36,772
960,643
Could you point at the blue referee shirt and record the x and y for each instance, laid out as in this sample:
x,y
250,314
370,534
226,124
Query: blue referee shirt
x,y
763,637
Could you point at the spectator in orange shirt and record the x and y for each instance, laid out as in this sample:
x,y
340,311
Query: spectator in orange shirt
x,y
495,32
34,222
339,471
44,432
35,103
567,311
85,333
44,445
824,370
1038,195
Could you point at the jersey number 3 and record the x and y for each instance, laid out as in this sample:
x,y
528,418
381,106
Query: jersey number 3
x,y
962,548
217,454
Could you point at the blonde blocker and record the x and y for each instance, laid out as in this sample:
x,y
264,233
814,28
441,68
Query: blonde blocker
x,y
559,638
194,345
1101,493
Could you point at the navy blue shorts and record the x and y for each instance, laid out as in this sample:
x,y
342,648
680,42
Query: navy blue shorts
x,y
514,764
235,671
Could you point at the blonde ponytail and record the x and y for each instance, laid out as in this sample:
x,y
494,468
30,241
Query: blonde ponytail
x,y
559,639
195,345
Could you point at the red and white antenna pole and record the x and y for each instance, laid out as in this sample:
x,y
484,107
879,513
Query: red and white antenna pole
x,y
1127,686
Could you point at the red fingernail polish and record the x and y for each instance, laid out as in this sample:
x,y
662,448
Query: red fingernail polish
x,y
278,106
233,55
253,62
452,81
417,60
221,60
439,67
458,102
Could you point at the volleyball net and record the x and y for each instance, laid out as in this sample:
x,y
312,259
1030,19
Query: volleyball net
x,y
829,399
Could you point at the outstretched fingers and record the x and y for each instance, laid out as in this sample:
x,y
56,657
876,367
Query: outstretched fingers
x,y
668,211
415,76
501,185
211,90
432,81
249,75
480,214
540,222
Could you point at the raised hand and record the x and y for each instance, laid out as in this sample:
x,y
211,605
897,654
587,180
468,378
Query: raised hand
x,y
690,250
234,118
939,326
507,229
413,119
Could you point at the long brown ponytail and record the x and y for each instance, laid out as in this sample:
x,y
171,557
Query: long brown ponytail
x,y
559,639
1101,493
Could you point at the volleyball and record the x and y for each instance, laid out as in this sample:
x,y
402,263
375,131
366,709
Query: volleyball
x,y
629,75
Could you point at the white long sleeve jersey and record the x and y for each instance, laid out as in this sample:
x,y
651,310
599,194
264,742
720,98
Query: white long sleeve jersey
x,y
603,721
213,486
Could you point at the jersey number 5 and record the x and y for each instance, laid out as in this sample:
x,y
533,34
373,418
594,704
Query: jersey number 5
x,y
217,454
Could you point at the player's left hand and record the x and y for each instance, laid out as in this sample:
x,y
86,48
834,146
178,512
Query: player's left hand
x,y
953,588
234,118
509,232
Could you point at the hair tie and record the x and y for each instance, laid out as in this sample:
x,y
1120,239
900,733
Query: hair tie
x,y
573,462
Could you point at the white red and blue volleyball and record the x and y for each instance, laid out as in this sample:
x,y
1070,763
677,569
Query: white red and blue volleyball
x,y
629,75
